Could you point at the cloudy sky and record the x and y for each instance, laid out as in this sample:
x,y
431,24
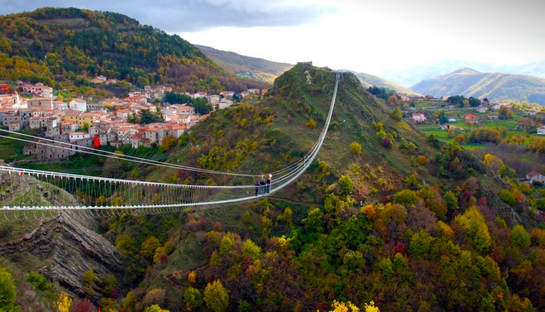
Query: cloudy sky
x,y
362,35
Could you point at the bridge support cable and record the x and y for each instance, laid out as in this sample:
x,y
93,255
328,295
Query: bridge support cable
x,y
50,192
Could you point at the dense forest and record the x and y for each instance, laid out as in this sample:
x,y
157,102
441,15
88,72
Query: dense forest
x,y
67,47
386,219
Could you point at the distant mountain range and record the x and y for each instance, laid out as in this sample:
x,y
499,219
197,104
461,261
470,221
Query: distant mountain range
x,y
265,70
370,80
494,86
246,66
411,76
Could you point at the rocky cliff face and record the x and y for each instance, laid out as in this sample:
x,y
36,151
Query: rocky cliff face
x,y
67,248
60,245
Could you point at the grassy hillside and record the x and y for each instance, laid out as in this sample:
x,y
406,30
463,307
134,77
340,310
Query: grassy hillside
x,y
494,86
370,80
246,66
72,45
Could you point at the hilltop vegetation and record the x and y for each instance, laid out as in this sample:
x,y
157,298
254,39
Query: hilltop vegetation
x,y
246,66
66,47
494,86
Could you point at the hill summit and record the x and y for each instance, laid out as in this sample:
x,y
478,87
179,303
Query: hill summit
x,y
72,45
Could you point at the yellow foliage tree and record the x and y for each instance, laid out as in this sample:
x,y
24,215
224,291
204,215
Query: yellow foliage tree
x,y
370,307
311,123
63,303
492,162
339,306
191,277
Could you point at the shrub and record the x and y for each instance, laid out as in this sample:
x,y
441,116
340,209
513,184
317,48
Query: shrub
x,y
405,197
314,220
386,142
346,184
311,123
520,237
8,292
155,308
369,211
250,249
540,204
82,305
422,160
396,114
193,298
147,250
355,148
154,296
451,200
39,281
89,278
227,241
508,197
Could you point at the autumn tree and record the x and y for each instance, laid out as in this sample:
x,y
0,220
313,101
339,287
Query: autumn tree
x,y
216,296
192,298
63,302
154,296
8,292
147,250
88,279
346,184
311,123
520,237
475,229
505,113
250,249
315,220
355,148
396,114
82,305
405,197
155,308
339,306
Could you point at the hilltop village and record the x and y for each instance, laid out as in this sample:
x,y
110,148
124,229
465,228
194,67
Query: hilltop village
x,y
143,118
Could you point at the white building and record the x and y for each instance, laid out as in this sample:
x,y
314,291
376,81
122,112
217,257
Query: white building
x,y
74,136
79,105
419,117
482,109
535,177
225,103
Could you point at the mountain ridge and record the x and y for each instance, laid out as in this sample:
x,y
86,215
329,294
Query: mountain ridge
x,y
413,75
67,46
246,66
494,86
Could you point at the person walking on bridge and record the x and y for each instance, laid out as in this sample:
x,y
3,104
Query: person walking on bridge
x,y
268,188
262,186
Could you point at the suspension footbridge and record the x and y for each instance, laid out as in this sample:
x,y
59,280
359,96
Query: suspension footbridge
x,y
113,196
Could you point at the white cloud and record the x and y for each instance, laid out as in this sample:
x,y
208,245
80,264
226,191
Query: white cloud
x,y
394,34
